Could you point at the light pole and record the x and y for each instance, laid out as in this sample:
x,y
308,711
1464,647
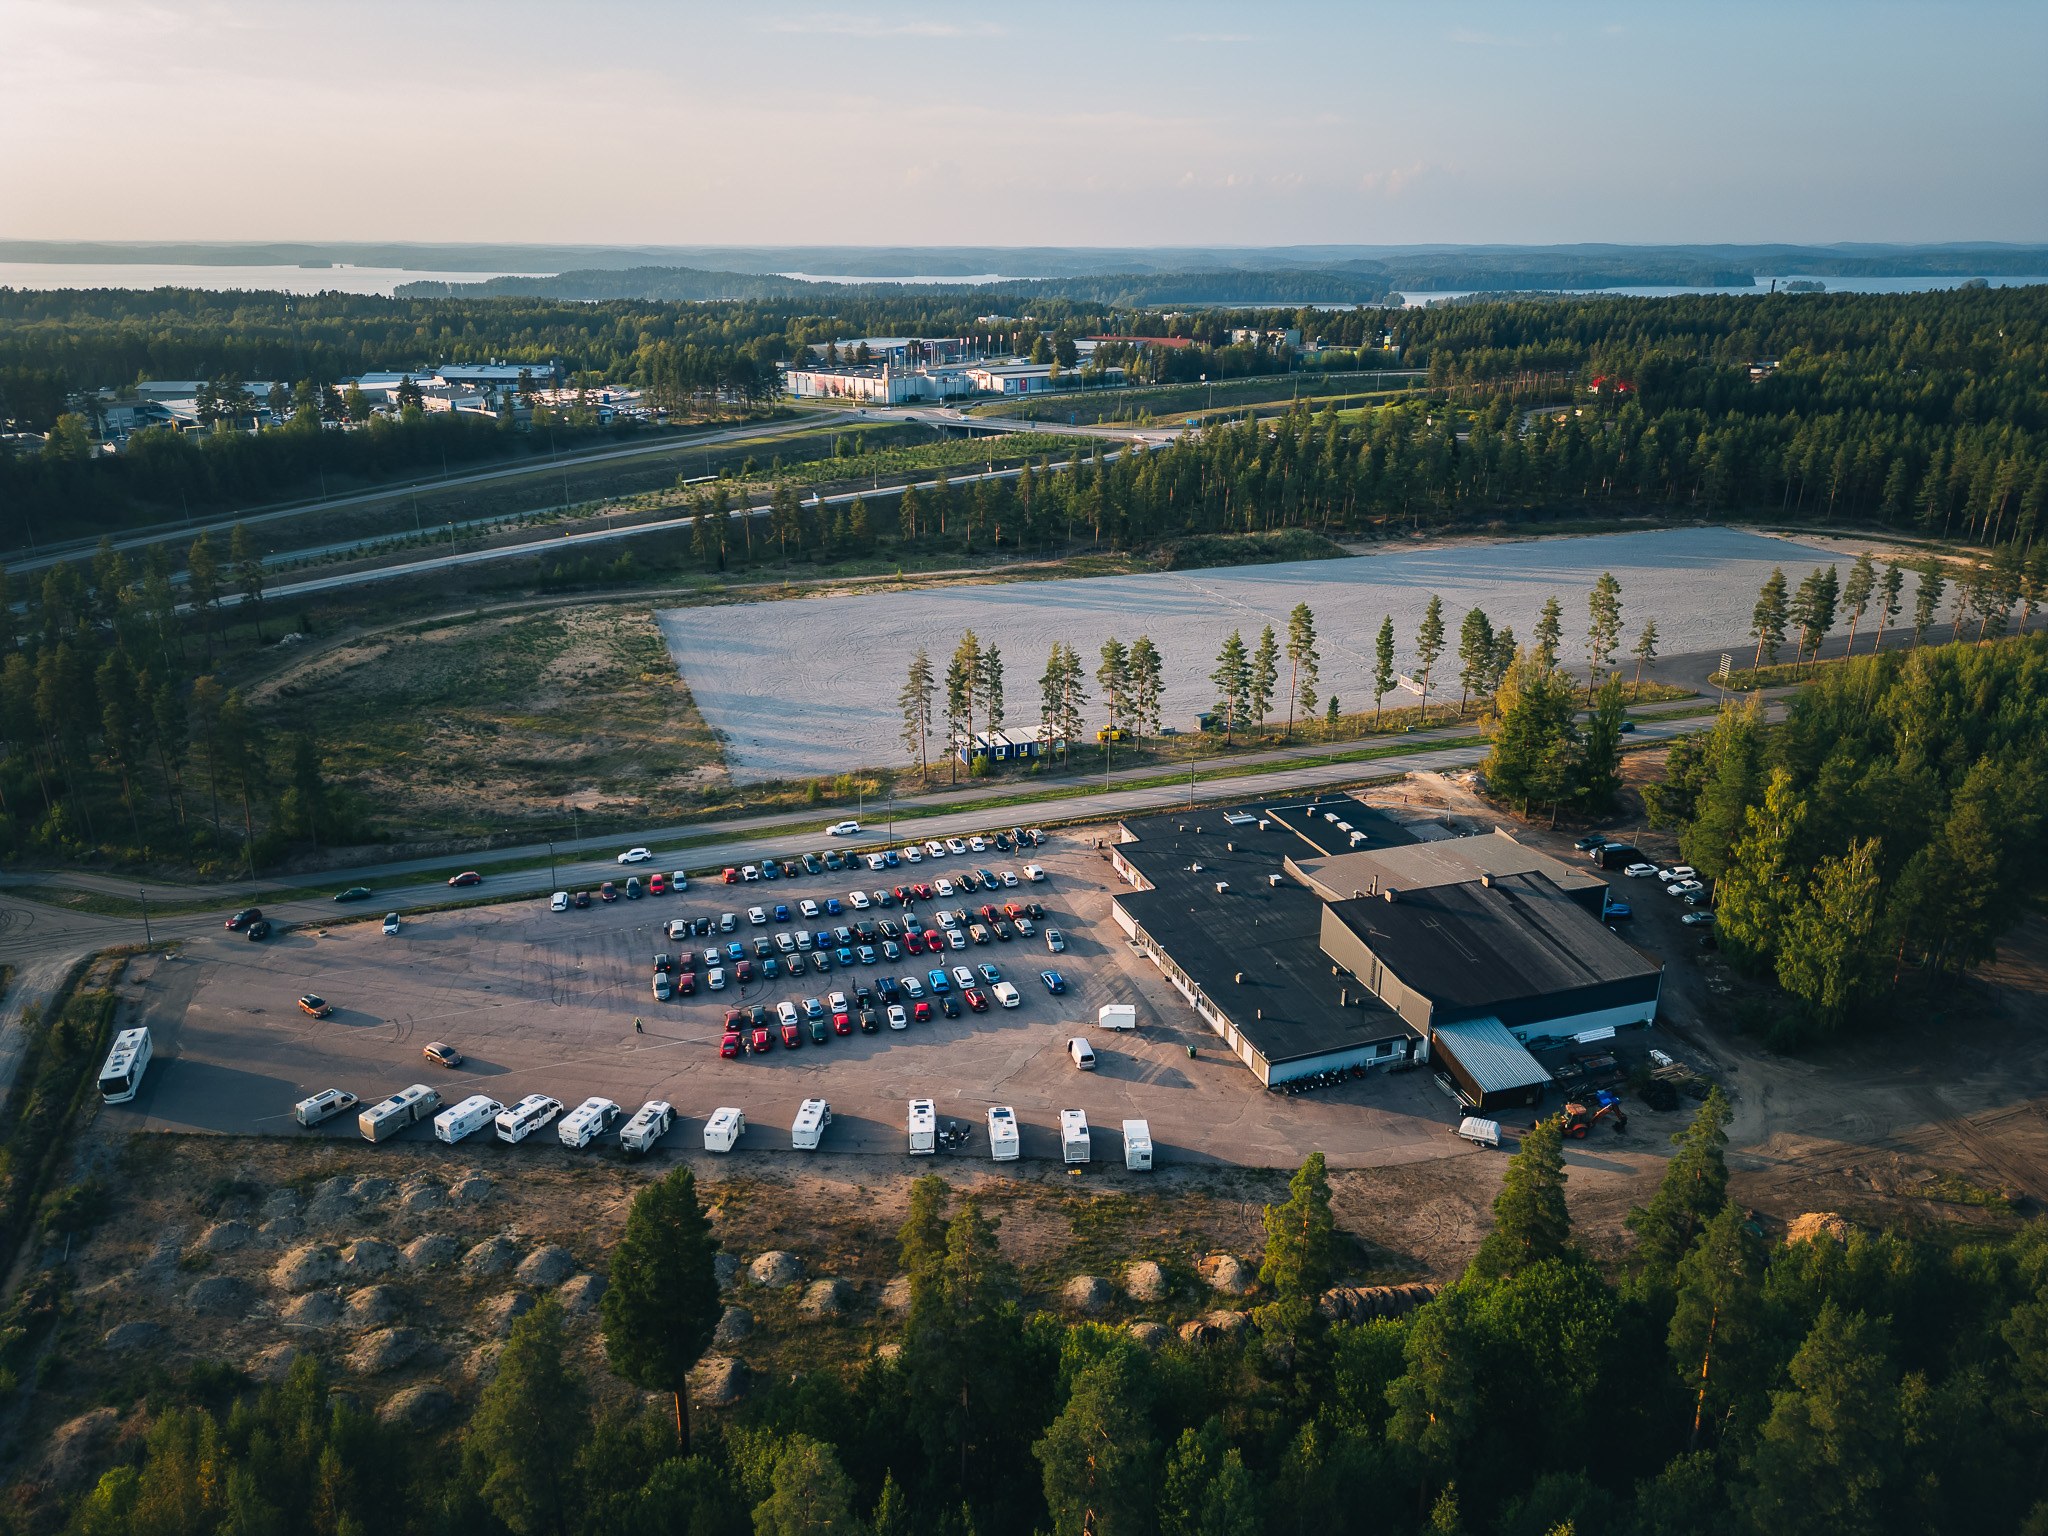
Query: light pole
x,y
552,880
148,941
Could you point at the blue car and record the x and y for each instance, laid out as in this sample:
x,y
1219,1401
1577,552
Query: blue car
x,y
822,939
735,950
990,974
1619,911
938,980
844,957
1055,983
769,969
781,912
892,858
770,870
832,905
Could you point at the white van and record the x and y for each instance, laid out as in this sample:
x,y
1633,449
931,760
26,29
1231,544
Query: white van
x,y
648,1125
471,1115
1006,994
812,1116
722,1132
323,1106
1073,1136
1082,1052
1138,1145
394,1114
923,1127
1003,1146
527,1116
1117,1016
587,1121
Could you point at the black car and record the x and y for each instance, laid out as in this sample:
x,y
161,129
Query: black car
x,y
580,900
835,860
258,931
664,963
245,917
950,1006
355,893
814,864
862,997
868,1024
889,990
1002,842
1034,911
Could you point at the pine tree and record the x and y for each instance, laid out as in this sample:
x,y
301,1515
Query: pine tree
x,y
1098,1454
1718,1338
1301,1235
1232,677
1603,630
1382,666
809,1494
920,687
1830,1452
1834,943
1761,888
1534,754
1645,652
1598,779
1147,680
1856,594
662,1305
1767,619
528,1427
1888,601
1304,666
1530,1223
1429,644
963,677
1927,596
1115,677
1475,653
1549,633
1265,677
1694,1188
988,681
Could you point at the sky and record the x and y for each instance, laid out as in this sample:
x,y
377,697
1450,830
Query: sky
x,y
1111,122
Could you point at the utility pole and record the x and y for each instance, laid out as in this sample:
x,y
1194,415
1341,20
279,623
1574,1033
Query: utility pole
x,y
552,880
148,940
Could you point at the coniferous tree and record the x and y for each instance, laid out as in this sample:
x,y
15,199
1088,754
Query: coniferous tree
x,y
920,687
1856,594
662,1306
1233,680
1645,652
1693,1189
1767,619
1889,604
1530,1224
1429,644
1098,1455
1475,653
528,1426
1603,630
1382,666
1264,678
1304,665
1549,632
1147,680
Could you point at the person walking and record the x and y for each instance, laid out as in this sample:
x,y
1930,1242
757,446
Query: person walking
x,y
636,1026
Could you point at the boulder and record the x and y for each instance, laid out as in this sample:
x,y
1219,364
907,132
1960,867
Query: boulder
x,y
384,1350
77,1445
725,1268
471,1189
225,1237
271,1365
1806,1228
718,1381
491,1257
1228,1275
221,1296
1086,1294
896,1296
370,1256
546,1266
374,1305
1363,1303
499,1313
1145,1280
420,1407
306,1267
136,1335
281,1202
431,1251
581,1293
823,1300
734,1324
315,1309
1214,1326
1151,1335
777,1269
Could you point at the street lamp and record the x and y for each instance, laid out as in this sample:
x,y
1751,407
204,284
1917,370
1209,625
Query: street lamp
x,y
552,880
148,941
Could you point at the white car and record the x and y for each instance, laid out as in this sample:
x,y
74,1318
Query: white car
x,y
965,976
1055,941
1672,872
898,1019
391,921
1699,918
947,917
1684,888
807,907
913,854
785,1012
1009,877
944,887
757,917
1640,871
876,863
559,902
955,939
1033,873
977,845
954,845
714,979
860,900
843,829
838,1003
635,856
679,881
934,849
1006,994
912,987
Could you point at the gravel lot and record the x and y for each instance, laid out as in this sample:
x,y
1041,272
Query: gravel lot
x,y
544,1003
808,686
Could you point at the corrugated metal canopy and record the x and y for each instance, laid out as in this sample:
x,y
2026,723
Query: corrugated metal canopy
x,y
1494,1059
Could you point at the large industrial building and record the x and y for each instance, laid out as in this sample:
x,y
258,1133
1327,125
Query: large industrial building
x,y
1325,935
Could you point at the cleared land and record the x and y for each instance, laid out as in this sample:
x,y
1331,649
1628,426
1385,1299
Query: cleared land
x,y
809,686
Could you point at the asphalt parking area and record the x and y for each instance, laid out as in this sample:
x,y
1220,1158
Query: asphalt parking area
x,y
545,1002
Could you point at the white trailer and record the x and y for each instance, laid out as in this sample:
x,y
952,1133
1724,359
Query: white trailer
x,y
1138,1145
530,1114
649,1124
1073,1136
1003,1144
923,1126
466,1118
1481,1133
722,1132
588,1121
394,1114
812,1116
1117,1016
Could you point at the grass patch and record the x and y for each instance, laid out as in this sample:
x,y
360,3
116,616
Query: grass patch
x,y
1955,1189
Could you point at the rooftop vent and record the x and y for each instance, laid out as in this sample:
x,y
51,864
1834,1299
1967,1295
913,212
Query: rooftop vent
x,y
1391,894
1222,886
1239,978
1272,880
1487,881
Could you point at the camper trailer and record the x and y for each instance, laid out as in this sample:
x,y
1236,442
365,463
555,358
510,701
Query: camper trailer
x,y
1117,1016
647,1126
722,1132
923,1127
1003,1145
1138,1145
527,1116
394,1114
1073,1136
587,1121
466,1118
812,1116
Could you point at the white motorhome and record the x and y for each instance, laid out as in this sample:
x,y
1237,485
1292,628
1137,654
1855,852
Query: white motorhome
x,y
323,1106
1003,1144
722,1132
1073,1136
1117,1016
394,1114
812,1116
588,1121
466,1118
648,1125
1137,1145
923,1126
126,1062
527,1116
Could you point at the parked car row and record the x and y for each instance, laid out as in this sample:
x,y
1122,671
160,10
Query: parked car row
x,y
893,1002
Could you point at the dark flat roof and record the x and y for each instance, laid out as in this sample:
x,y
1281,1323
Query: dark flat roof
x,y
1312,833
1473,948
1451,861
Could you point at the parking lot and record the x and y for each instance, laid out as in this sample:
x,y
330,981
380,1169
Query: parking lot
x,y
545,1002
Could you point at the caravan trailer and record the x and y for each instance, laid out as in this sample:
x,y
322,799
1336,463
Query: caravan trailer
x,y
527,1116
587,1121
126,1062
1003,1144
812,1116
1073,1136
388,1118
923,1126
466,1118
1117,1016
648,1126
1138,1145
722,1132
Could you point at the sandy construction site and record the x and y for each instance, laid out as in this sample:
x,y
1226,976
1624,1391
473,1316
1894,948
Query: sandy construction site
x,y
809,686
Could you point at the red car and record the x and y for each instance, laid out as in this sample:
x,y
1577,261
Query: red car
x,y
244,918
686,984
656,885
792,1037
912,944
922,1013
607,892
924,891
730,1045
735,1018
732,876
842,1023
973,998
762,1042
467,877
934,941
744,972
